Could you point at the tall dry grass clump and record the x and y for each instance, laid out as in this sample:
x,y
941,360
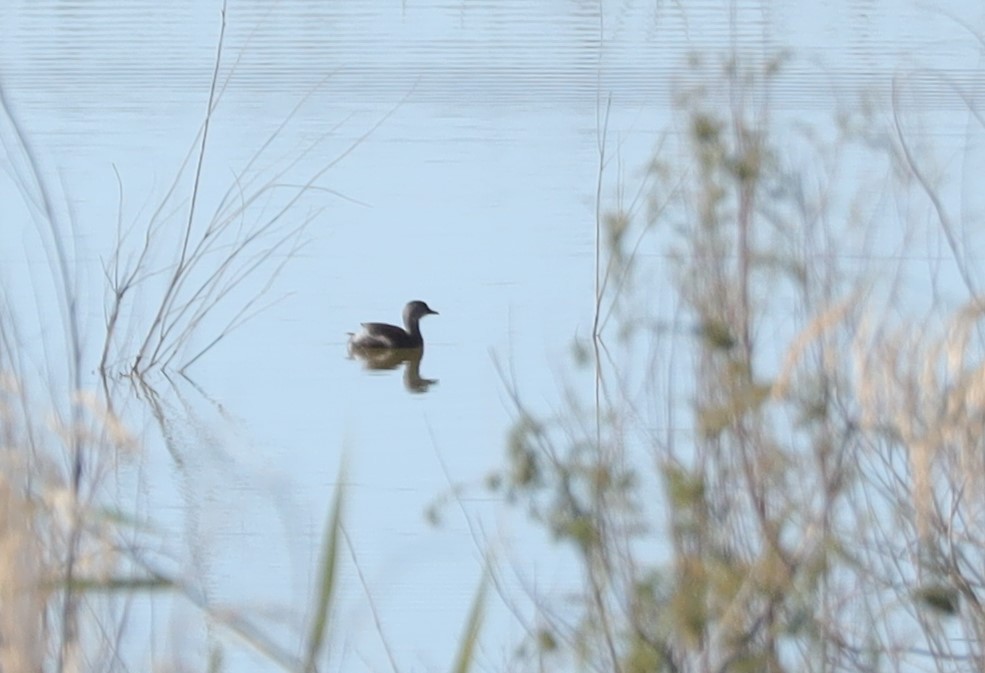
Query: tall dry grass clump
x,y
60,541
921,392
57,541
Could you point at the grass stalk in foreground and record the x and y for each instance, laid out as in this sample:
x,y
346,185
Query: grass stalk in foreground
x,y
473,625
326,580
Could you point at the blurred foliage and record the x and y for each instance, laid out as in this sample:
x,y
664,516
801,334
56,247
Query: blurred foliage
x,y
777,534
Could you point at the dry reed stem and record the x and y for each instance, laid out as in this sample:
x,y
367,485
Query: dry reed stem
x,y
22,568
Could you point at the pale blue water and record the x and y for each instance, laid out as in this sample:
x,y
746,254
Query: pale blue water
x,y
475,193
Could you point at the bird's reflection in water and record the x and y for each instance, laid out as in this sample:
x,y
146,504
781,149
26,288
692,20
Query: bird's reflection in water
x,y
391,358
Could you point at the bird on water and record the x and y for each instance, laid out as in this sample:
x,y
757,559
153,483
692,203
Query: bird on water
x,y
382,335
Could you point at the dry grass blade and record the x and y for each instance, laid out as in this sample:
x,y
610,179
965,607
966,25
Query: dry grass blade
x,y
127,585
326,580
179,269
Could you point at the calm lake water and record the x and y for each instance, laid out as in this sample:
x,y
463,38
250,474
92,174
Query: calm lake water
x,y
466,136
